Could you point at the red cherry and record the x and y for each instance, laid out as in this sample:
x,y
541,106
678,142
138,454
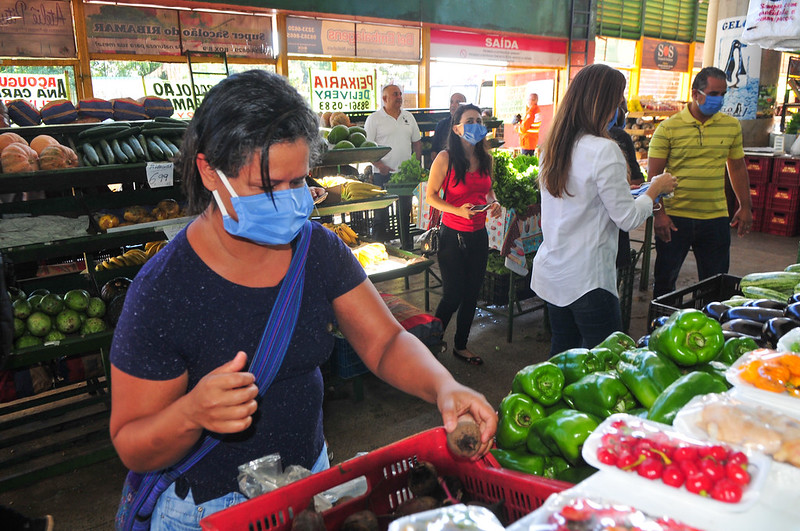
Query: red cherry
x,y
650,468
685,453
738,458
726,490
698,483
607,456
737,473
673,476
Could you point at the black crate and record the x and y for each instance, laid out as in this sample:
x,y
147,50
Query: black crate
x,y
494,290
345,361
717,288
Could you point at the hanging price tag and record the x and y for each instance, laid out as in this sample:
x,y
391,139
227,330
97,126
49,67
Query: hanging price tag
x,y
159,174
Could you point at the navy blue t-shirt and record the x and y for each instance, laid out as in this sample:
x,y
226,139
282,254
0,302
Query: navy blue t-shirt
x,y
181,316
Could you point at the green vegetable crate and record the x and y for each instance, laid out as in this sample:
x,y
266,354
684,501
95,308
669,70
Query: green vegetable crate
x,y
717,288
494,290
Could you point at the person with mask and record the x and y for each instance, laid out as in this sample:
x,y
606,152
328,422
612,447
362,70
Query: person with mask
x,y
195,314
695,145
586,199
442,131
461,181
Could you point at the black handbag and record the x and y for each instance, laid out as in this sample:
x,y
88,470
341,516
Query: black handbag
x,y
429,240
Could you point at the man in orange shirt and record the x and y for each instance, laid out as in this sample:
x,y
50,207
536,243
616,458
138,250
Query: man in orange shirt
x,y
529,128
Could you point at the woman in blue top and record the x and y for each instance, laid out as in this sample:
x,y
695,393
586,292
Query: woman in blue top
x,y
195,312
586,199
463,173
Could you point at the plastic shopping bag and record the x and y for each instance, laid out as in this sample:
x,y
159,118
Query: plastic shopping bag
x,y
773,24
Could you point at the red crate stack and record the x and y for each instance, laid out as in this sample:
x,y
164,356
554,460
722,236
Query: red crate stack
x,y
783,198
759,169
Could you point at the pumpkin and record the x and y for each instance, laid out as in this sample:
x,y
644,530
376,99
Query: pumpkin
x,y
10,138
57,157
42,141
18,158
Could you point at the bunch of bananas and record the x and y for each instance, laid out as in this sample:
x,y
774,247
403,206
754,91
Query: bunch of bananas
x,y
634,105
132,257
371,254
343,231
357,190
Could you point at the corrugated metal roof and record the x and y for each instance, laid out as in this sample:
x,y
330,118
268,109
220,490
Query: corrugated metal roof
x,y
676,20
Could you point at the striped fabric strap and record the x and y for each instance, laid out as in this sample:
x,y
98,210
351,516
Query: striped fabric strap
x,y
264,366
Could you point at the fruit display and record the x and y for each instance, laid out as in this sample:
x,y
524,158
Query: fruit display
x,y
165,209
44,317
343,136
43,153
343,231
132,257
123,143
371,254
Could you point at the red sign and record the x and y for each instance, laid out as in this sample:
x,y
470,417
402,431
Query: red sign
x,y
665,55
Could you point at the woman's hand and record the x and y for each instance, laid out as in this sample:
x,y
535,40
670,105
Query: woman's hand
x,y
223,401
464,211
495,210
661,184
456,400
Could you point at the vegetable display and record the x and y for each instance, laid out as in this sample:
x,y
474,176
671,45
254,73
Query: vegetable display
x,y
514,180
688,337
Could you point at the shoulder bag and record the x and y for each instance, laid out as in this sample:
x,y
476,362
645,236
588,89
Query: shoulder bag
x,y
141,491
429,240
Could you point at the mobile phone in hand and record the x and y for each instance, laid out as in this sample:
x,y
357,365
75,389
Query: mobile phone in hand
x,y
480,208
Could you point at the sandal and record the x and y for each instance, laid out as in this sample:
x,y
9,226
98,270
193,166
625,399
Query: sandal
x,y
472,360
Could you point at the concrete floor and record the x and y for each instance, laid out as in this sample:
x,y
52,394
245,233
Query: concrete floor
x,y
87,499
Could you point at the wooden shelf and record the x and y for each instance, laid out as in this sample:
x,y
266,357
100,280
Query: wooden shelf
x,y
643,114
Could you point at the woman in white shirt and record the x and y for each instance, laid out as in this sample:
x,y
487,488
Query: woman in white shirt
x,y
586,199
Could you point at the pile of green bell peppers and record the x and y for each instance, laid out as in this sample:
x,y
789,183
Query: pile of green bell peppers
x,y
689,337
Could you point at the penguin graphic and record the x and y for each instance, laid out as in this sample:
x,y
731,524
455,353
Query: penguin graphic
x,y
736,46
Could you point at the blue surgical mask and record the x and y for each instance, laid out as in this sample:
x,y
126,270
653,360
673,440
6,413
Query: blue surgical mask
x,y
474,133
274,219
712,105
613,121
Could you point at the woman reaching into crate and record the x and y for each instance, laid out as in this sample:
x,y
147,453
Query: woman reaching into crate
x,y
200,386
586,199
463,173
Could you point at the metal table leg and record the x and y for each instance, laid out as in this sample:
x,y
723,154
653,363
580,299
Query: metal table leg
x,y
647,246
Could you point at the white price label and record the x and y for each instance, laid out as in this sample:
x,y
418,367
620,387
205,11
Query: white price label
x,y
159,174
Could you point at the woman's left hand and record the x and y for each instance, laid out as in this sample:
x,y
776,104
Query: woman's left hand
x,y
458,400
495,210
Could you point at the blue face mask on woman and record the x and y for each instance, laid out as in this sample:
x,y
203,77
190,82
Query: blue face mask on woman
x,y
266,219
613,121
474,133
712,105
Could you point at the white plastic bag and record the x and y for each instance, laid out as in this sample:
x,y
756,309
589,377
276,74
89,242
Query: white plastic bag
x,y
773,24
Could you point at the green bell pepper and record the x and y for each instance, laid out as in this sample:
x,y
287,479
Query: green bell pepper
x,y
575,474
618,342
576,363
689,337
554,466
680,392
541,381
519,460
734,348
716,369
517,413
563,433
599,393
647,375
549,410
608,358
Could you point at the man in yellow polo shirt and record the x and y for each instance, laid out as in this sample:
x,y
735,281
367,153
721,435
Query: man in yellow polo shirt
x,y
695,145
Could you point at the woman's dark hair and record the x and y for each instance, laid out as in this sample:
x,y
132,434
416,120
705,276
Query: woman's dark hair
x,y
458,158
591,98
243,115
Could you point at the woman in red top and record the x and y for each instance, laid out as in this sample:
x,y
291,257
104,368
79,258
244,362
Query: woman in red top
x,y
464,173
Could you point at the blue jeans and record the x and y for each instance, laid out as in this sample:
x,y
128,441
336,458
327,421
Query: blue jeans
x,y
173,513
584,323
709,239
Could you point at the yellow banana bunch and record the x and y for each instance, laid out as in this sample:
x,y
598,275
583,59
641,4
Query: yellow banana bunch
x,y
151,248
371,254
331,180
357,190
132,257
634,105
343,231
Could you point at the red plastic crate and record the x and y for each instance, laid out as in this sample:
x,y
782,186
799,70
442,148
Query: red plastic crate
x,y
786,172
759,195
779,223
758,219
759,169
386,470
783,198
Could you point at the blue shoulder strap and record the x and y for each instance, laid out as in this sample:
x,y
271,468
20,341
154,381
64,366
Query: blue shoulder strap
x,y
265,364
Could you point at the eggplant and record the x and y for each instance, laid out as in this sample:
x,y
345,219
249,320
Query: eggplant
x,y
794,298
754,313
776,328
793,311
728,334
658,321
643,341
766,303
747,327
715,309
